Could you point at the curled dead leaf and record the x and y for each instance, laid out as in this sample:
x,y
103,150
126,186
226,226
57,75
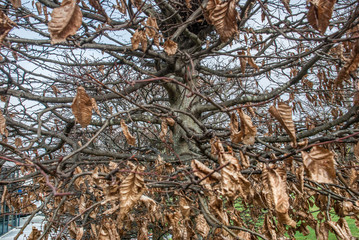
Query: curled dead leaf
x,y
319,165
319,14
139,37
65,21
5,26
202,226
284,115
151,27
170,47
349,67
200,170
164,130
277,186
95,106
130,139
2,124
82,107
16,3
247,131
35,234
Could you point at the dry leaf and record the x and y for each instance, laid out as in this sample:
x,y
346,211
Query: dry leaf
x,y
322,231
202,226
55,90
95,107
131,140
38,7
82,107
35,234
5,26
170,47
349,67
143,230
277,187
319,14
251,61
18,142
16,3
152,207
341,229
319,165
131,190
188,4
200,170
284,115
2,124
65,21
224,17
247,131
139,37
164,130
151,27
243,61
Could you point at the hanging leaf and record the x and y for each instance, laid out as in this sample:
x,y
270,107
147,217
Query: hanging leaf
x,y
18,142
170,47
131,140
224,17
65,21
151,27
251,61
143,230
247,131
349,67
55,90
277,186
5,26
16,3
95,106
200,170
139,37
131,190
2,124
164,130
319,165
82,107
341,229
38,7
284,115
319,14
242,60
152,208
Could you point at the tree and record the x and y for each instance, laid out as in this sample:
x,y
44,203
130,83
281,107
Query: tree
x,y
181,118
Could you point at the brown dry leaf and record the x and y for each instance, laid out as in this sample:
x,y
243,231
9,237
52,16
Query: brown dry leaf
x,y
277,186
143,230
184,208
137,3
170,47
319,165
5,26
356,150
244,160
170,121
79,233
55,90
284,115
247,133
38,7
286,5
341,229
139,37
2,124
349,67
200,170
233,182
202,225
322,231
44,8
16,3
319,14
224,17
151,27
131,190
251,61
130,139
152,207
164,130
188,4
65,21
179,229
243,61
18,142
269,228
35,234
95,107
82,107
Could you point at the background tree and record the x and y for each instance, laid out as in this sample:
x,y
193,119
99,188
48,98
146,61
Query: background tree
x,y
199,119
